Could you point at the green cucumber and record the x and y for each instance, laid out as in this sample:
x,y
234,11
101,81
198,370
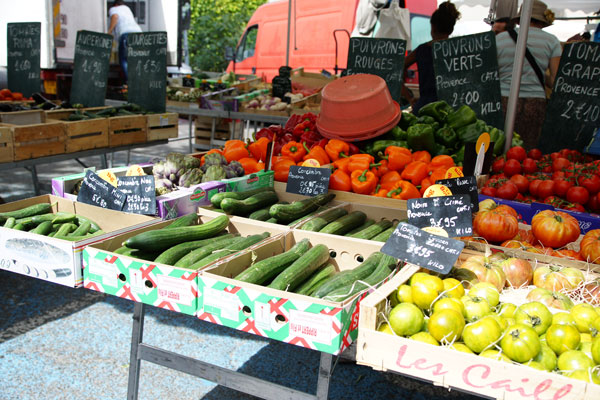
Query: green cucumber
x,y
56,218
249,204
173,254
304,217
27,211
43,229
272,220
94,227
320,276
122,250
385,235
373,230
260,215
11,222
286,213
162,239
318,223
345,224
65,229
19,227
186,220
365,224
82,229
201,252
291,277
383,269
348,276
77,238
229,250
217,198
266,269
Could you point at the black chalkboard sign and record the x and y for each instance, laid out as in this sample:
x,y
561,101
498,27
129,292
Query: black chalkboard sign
x,y
381,57
451,213
23,57
90,70
97,192
415,246
147,70
308,181
466,72
464,185
573,112
141,197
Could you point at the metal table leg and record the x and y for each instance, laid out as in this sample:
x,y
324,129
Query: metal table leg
x,y
34,178
325,371
190,132
134,359
104,161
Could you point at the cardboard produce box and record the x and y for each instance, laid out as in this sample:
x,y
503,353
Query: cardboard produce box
x,y
304,321
147,282
58,260
450,368
251,181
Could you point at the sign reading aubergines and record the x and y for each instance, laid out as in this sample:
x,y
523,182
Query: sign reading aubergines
x,y
381,57
90,71
466,73
23,57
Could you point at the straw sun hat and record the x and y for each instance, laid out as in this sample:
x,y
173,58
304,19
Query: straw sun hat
x,y
540,12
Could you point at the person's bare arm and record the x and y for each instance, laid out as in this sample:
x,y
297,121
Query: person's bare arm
x,y
553,67
113,23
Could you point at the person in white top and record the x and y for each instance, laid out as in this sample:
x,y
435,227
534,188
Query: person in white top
x,y
122,22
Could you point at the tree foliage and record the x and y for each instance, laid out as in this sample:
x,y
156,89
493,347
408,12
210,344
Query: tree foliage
x,y
216,24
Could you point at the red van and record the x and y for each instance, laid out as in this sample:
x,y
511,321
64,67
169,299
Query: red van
x,y
262,48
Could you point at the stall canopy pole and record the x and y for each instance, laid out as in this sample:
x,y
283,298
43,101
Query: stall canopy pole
x,y
515,84
287,47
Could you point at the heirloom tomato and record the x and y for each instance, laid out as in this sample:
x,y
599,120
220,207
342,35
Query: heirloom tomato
x,y
574,359
555,228
446,325
425,289
596,350
534,314
460,347
425,337
495,355
550,299
587,375
518,272
561,338
486,270
556,278
546,357
406,319
487,291
451,303
475,308
453,288
584,316
520,343
507,310
481,334
404,294
590,246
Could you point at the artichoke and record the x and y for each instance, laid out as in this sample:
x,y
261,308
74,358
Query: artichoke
x,y
214,173
162,186
234,169
214,159
190,162
158,170
190,177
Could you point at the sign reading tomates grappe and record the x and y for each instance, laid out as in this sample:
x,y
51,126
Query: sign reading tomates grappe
x,y
90,70
23,57
466,73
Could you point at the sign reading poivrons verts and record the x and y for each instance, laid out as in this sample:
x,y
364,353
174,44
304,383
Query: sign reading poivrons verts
x,y
147,69
466,73
90,71
23,57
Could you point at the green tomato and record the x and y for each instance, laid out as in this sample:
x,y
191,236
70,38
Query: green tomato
x,y
453,288
403,294
460,347
406,319
546,357
561,338
446,325
451,303
586,375
584,315
586,348
574,359
563,318
535,364
475,308
487,291
425,337
481,334
500,320
507,310
520,343
596,350
385,328
535,315
425,289
495,355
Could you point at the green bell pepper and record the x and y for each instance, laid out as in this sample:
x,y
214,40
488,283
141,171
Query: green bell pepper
x,y
439,110
516,140
398,134
406,120
379,146
429,121
461,117
446,136
471,132
459,156
442,150
420,137
498,138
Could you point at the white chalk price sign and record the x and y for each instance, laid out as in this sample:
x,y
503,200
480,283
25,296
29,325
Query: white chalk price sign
x,y
464,185
308,181
97,192
451,213
415,246
141,195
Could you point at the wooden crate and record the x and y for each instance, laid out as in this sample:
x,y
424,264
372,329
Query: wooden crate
x,y
64,113
126,130
37,140
310,79
85,135
26,117
6,144
224,129
162,126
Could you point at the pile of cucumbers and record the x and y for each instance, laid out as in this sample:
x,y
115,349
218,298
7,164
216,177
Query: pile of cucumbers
x,y
356,224
263,204
40,219
308,271
183,243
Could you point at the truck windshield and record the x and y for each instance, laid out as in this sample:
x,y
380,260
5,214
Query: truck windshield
x,y
247,44
420,30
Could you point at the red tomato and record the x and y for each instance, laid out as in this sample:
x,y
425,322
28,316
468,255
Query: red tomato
x,y
578,194
560,163
498,165
573,207
536,154
512,167
555,201
545,189
534,186
516,153
555,228
591,183
561,186
594,203
507,191
521,182
488,191
555,155
558,174
529,166
590,246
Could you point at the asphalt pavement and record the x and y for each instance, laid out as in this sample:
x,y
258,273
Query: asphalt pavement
x,y
58,342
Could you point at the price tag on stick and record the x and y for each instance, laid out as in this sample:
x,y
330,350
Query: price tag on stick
x,y
451,213
415,246
97,192
308,181
141,195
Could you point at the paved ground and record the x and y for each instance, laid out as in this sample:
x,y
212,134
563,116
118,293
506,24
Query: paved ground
x,y
63,343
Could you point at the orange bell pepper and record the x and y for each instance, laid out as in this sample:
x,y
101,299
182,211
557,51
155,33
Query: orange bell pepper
x,y
381,169
422,155
234,143
403,190
438,174
317,153
276,159
360,162
250,165
337,149
235,152
389,179
342,163
380,191
415,172
340,180
258,149
294,150
282,169
441,161
260,166
202,160
425,183
398,159
363,182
